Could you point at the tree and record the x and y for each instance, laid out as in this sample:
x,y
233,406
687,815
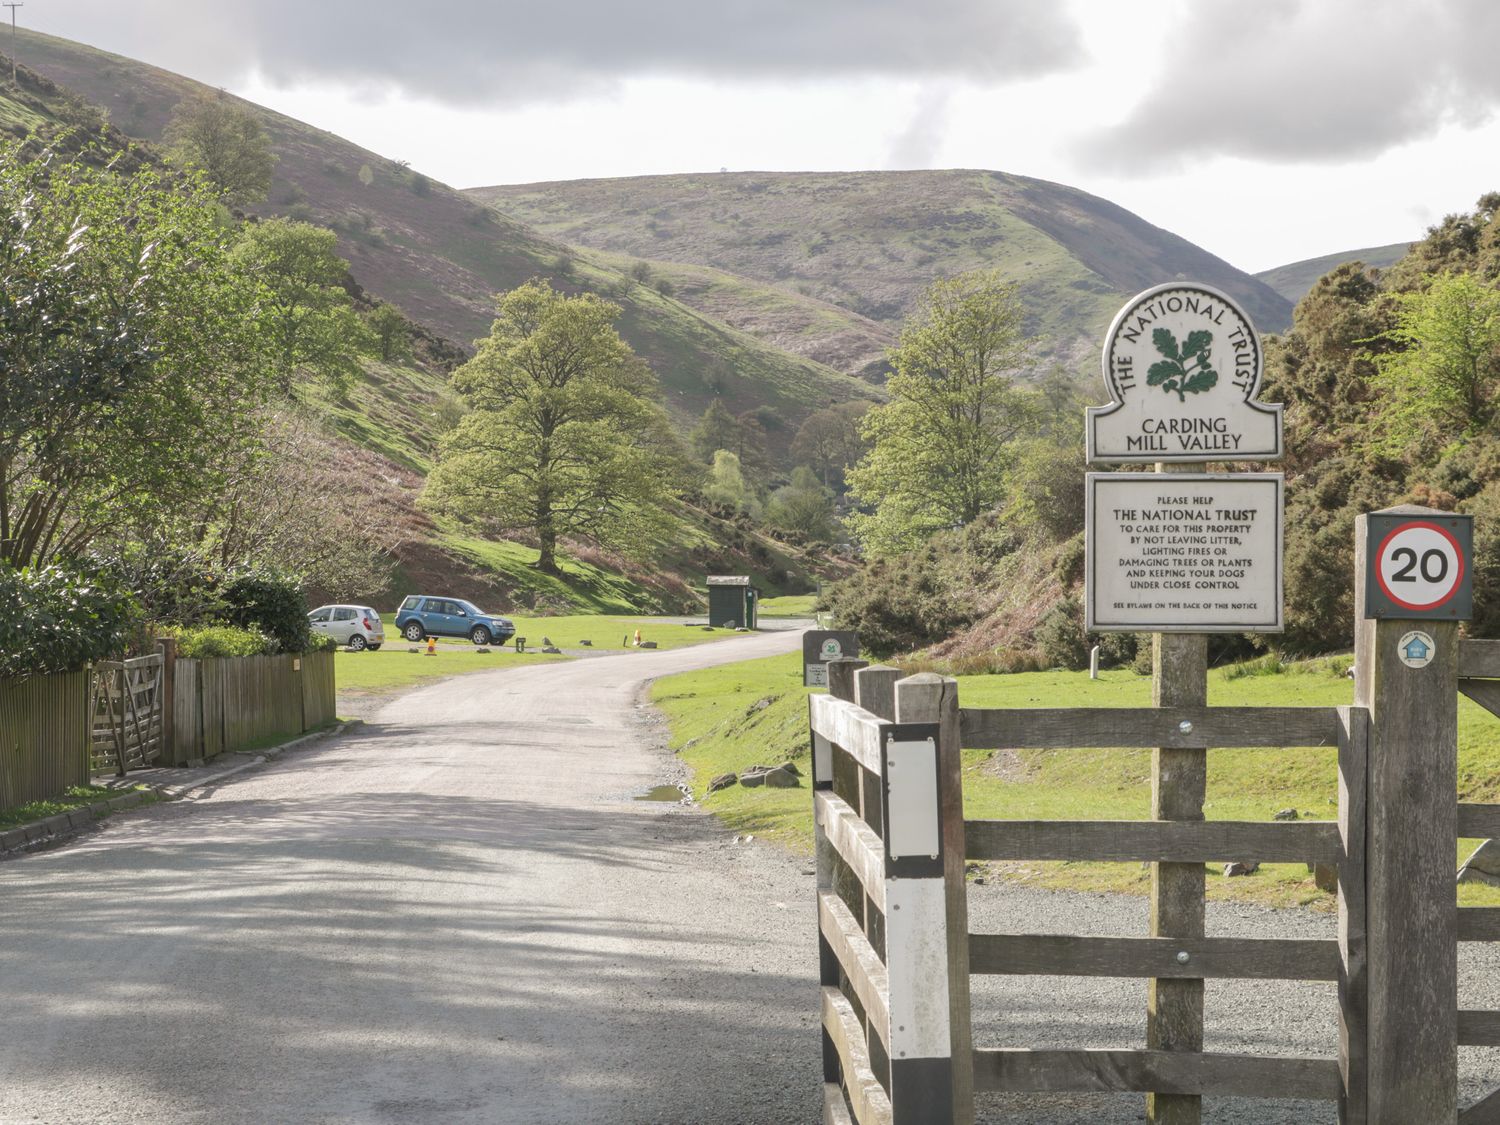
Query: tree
x,y
212,132
1444,376
741,434
804,506
391,332
727,487
309,315
941,448
829,441
130,352
563,436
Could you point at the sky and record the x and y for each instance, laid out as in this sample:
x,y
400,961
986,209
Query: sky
x,y
1265,131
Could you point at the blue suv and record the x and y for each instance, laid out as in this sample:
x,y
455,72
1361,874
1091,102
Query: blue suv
x,y
420,617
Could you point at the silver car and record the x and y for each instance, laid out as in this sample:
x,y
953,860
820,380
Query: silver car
x,y
357,626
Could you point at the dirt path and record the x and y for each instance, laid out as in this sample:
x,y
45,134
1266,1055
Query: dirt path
x,y
458,914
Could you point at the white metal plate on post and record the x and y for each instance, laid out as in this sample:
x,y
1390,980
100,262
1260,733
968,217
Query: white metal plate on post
x,y
916,938
911,779
1184,552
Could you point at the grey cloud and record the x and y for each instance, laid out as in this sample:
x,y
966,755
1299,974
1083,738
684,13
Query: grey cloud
x,y
1307,80
471,52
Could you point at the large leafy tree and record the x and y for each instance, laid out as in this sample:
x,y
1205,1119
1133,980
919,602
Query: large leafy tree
x,y
942,446
130,352
223,138
563,437
309,316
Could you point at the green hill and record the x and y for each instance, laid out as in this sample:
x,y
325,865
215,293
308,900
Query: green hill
x,y
1293,281
869,242
440,257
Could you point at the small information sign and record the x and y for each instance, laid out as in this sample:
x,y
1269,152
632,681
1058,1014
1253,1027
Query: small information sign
x,y
819,646
1184,553
1182,364
1421,566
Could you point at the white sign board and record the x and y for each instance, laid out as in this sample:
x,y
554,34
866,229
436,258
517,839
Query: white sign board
x,y
1184,553
1182,364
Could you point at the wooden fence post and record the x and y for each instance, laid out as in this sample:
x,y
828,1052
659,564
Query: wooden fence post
x,y
929,698
168,700
1413,823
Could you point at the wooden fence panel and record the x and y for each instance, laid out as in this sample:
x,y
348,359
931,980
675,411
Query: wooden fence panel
x,y
44,737
318,707
187,712
229,704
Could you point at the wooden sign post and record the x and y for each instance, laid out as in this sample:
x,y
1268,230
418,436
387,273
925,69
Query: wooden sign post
x,y
1406,674
1183,367
1179,779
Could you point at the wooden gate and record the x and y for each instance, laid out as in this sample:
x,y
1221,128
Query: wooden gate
x,y
868,975
125,709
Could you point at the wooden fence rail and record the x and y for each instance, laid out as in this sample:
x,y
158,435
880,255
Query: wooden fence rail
x,y
44,737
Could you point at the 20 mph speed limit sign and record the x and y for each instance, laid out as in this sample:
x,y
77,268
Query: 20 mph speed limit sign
x,y
1420,566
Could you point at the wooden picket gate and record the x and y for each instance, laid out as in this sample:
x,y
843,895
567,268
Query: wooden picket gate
x,y
125,709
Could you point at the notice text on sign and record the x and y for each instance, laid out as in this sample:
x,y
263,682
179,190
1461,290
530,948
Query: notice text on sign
x,y
1184,552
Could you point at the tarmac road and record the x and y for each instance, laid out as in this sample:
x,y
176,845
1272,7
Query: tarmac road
x,y
457,914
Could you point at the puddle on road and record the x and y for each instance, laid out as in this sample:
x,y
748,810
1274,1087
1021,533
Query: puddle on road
x,y
663,793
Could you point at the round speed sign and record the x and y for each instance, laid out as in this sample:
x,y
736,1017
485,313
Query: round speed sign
x,y
1419,565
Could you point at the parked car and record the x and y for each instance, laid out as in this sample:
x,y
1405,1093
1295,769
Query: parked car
x,y
420,617
357,626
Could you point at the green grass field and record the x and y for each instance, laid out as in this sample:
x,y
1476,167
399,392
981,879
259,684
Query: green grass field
x,y
734,716
792,605
395,667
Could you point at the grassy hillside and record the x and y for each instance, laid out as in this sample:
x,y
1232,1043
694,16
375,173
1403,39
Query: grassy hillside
x,y
869,242
1294,280
441,257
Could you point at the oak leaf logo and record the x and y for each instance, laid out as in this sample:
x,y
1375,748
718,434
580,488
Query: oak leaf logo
x,y
1185,371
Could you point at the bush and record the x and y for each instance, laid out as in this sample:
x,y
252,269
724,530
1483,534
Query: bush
x,y
272,604
56,620
1060,636
897,605
216,641
321,642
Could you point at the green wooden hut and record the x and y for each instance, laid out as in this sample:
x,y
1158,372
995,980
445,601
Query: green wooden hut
x,y
731,601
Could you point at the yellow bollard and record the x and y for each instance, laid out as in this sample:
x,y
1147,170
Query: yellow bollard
x,y
637,638
431,646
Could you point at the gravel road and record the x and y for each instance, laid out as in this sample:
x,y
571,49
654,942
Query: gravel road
x,y
459,914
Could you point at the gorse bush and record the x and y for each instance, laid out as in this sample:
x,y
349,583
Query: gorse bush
x,y
216,641
56,620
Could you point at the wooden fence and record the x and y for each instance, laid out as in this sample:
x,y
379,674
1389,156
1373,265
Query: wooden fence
x,y
44,737
223,705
